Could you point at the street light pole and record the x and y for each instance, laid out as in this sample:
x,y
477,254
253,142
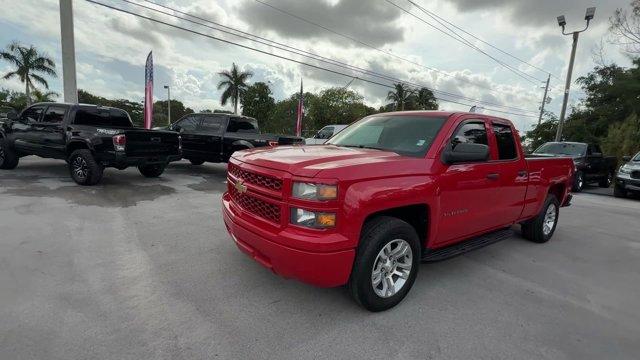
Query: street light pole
x,y
562,22
70,86
168,104
544,99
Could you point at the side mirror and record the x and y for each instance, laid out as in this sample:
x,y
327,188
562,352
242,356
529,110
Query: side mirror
x,y
626,158
465,152
175,128
12,115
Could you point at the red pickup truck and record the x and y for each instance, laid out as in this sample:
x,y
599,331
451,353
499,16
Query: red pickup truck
x,y
386,193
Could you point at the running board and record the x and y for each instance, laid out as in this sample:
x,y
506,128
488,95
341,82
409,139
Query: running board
x,y
465,246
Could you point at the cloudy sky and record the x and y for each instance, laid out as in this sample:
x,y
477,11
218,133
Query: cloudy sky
x,y
376,35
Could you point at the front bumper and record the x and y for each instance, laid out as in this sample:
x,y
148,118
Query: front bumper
x,y
324,269
627,183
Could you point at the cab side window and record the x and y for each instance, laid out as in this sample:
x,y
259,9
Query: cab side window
x,y
471,132
325,133
32,114
506,143
189,123
211,124
54,115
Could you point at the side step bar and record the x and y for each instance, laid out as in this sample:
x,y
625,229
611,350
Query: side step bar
x,y
433,255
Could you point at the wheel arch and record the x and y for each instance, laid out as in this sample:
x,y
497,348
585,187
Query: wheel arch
x,y
416,215
77,144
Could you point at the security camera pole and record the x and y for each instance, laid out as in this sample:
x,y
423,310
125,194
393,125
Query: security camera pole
x,y
562,22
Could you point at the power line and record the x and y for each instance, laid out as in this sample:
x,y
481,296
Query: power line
x,y
367,45
517,72
434,15
310,54
270,54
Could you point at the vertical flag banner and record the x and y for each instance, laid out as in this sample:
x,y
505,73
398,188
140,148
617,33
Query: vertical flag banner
x,y
148,92
300,112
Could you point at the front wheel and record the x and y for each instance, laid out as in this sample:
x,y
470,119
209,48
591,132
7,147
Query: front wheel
x,y
386,265
578,182
84,168
151,171
541,228
8,158
607,181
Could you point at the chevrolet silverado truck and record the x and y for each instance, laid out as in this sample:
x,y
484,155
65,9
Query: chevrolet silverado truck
x,y
211,137
386,193
88,137
591,166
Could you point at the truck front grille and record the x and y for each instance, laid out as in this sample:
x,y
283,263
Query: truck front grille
x,y
255,206
255,179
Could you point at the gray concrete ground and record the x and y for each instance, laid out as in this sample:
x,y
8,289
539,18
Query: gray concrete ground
x,y
143,269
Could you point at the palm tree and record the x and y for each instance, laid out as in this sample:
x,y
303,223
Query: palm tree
x,y
28,62
235,85
46,96
426,100
400,96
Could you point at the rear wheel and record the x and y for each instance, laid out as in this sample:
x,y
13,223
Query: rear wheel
x,y
386,265
196,162
541,228
84,169
606,181
8,158
619,191
578,182
151,171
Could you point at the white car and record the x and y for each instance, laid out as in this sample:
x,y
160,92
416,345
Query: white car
x,y
324,134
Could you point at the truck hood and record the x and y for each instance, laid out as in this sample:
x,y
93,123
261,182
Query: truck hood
x,y
310,161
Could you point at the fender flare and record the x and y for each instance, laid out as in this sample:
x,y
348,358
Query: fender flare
x,y
78,141
241,144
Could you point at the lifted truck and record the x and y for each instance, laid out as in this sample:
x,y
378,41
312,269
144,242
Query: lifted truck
x,y
211,137
387,192
88,137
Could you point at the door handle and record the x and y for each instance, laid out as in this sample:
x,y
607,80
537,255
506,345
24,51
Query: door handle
x,y
493,176
522,173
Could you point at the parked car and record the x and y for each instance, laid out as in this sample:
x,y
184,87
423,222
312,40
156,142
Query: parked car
x,y
210,137
88,137
591,165
324,134
389,191
5,111
628,177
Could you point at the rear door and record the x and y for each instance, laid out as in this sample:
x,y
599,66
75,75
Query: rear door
x,y
50,131
512,168
468,191
188,131
595,163
210,130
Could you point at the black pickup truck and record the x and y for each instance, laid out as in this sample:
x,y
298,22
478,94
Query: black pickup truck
x,y
590,164
88,137
211,137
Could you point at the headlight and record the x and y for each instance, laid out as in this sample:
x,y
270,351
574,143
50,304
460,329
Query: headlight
x,y
310,191
625,169
312,219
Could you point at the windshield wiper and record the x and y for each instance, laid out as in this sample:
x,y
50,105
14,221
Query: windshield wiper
x,y
364,147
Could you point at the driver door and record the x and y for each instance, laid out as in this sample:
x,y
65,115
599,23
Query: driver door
x,y
25,130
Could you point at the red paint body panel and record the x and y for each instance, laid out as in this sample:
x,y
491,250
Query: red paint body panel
x,y
462,201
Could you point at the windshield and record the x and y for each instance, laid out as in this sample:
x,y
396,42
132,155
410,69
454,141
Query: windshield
x,y
636,158
562,149
405,135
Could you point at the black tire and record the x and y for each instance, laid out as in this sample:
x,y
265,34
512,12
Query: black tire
x,y
84,169
196,162
8,158
606,181
151,171
534,229
376,234
578,182
619,192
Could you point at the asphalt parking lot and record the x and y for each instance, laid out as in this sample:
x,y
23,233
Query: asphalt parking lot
x,y
140,268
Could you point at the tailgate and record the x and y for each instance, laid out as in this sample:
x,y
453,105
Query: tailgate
x,y
151,143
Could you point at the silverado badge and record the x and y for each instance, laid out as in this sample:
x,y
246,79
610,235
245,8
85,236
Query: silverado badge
x,y
240,186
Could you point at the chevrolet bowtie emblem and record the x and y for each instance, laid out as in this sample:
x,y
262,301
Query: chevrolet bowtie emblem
x,y
240,186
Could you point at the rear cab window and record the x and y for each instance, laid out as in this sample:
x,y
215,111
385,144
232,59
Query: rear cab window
x,y
106,117
242,125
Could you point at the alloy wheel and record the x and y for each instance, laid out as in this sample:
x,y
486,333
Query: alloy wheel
x,y
80,168
391,268
549,220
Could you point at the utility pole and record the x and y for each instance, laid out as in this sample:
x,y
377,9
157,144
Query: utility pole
x,y
168,104
544,99
562,22
68,52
